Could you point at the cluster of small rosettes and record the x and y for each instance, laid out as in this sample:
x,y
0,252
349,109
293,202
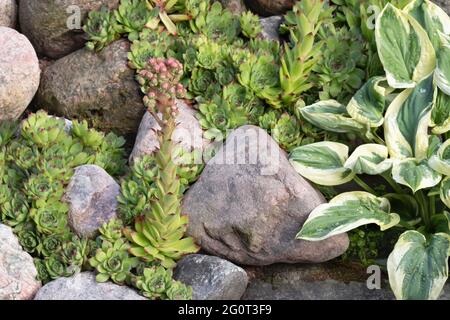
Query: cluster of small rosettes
x,y
161,82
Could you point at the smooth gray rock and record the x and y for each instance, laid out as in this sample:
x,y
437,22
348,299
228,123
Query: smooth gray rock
x,y
19,73
188,133
54,26
211,278
271,26
8,13
96,86
92,197
17,270
83,286
249,203
269,7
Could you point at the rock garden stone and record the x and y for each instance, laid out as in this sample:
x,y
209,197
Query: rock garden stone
x,y
54,26
19,73
8,13
235,6
249,203
17,270
269,7
92,197
83,286
271,26
99,87
188,133
212,278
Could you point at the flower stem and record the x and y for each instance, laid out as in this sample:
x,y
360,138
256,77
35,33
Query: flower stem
x,y
364,185
392,183
424,208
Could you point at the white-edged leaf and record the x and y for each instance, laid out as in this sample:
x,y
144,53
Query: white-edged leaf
x,y
368,104
345,212
332,116
407,119
431,17
369,159
445,191
440,161
322,163
442,72
415,174
418,267
440,114
404,48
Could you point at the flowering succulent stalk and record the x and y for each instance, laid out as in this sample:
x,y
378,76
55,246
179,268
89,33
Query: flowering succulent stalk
x,y
159,232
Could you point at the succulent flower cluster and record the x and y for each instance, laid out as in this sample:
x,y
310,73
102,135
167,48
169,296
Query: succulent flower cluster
x,y
36,163
159,80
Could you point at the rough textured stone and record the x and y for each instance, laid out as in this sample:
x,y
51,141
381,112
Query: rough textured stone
x,y
188,133
8,13
17,270
269,7
19,73
92,197
52,26
83,286
271,26
98,87
235,6
249,203
211,278
444,4
328,281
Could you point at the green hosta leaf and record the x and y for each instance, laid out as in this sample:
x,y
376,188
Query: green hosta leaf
x,y
440,115
440,161
407,207
415,174
418,266
442,72
322,163
445,192
345,212
431,17
368,104
369,159
404,48
330,115
406,122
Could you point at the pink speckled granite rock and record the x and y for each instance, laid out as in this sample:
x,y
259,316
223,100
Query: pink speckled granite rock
x,y
8,13
17,270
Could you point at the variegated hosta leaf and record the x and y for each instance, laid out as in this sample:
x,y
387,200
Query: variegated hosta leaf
x,y
345,212
368,104
440,115
405,50
445,192
441,222
442,72
322,163
369,159
332,116
415,174
418,268
440,161
406,121
431,17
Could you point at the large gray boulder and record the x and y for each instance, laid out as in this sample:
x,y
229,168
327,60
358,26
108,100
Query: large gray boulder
x,y
270,27
92,197
19,73
211,278
249,203
54,26
188,133
8,13
83,286
98,87
17,271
